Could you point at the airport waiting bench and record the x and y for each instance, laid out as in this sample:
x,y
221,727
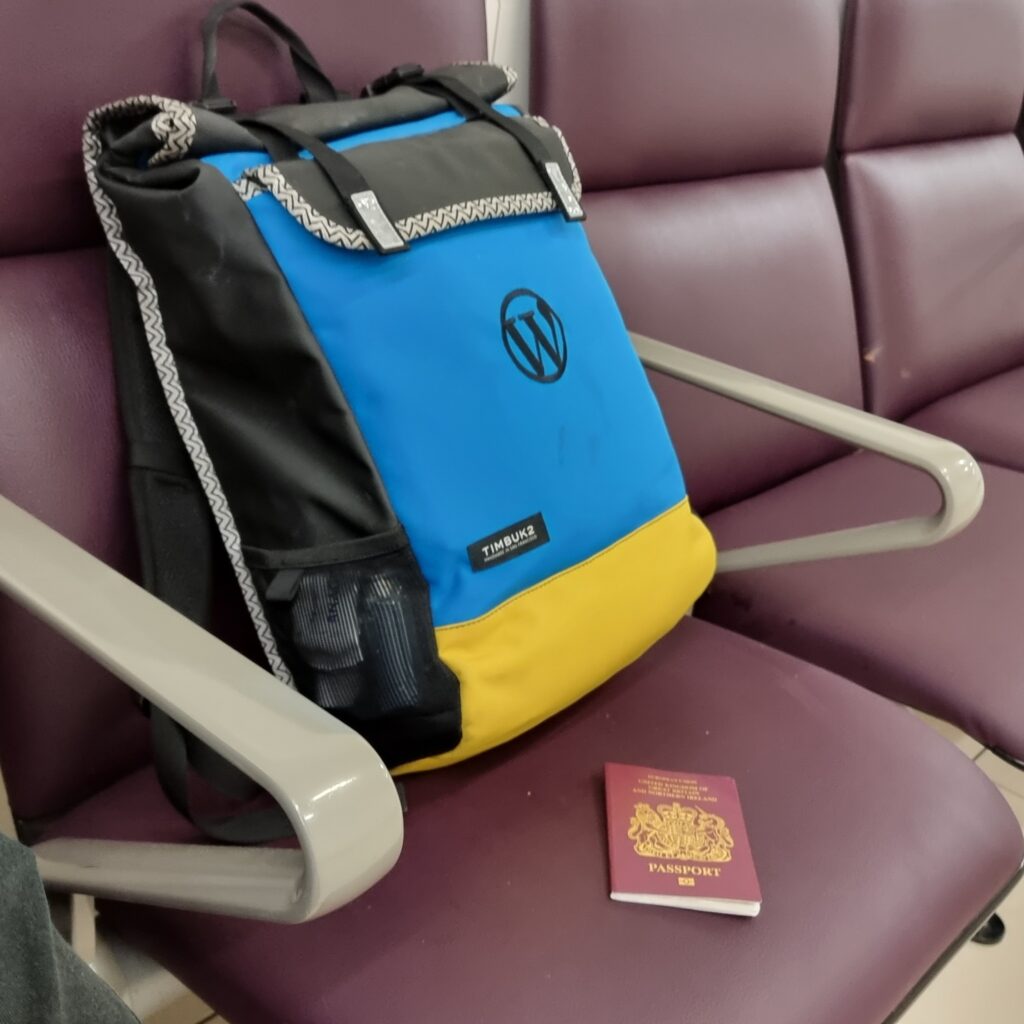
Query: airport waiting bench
x,y
704,135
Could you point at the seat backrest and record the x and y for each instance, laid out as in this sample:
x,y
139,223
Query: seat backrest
x,y
701,130
932,188
66,727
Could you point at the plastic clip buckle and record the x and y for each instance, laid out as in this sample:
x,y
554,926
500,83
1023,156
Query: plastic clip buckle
x,y
218,105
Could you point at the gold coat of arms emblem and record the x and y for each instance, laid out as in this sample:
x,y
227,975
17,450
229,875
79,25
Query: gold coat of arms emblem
x,y
680,832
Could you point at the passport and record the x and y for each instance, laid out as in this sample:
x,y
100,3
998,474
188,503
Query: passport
x,y
678,839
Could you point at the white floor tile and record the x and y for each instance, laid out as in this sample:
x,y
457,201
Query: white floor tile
x,y
187,1010
971,747
6,821
981,984
1003,774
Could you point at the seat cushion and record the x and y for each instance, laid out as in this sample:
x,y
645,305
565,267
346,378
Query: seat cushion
x,y
498,910
687,89
934,236
62,459
987,419
936,628
924,70
750,270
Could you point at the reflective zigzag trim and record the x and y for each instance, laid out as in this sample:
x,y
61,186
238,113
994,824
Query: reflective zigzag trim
x,y
268,178
176,129
457,214
248,189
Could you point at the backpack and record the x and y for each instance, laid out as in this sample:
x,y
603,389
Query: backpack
x,y
367,340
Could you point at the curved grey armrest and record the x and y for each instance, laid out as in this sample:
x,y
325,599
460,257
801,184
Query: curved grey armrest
x,y
332,785
950,466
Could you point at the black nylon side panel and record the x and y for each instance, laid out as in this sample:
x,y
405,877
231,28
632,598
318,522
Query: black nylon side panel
x,y
287,448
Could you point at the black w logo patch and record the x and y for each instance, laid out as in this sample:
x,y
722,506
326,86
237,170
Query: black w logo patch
x,y
534,336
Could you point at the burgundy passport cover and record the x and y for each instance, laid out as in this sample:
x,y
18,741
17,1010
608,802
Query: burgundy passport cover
x,y
678,839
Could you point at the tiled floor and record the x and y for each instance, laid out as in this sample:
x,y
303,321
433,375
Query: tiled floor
x,y
6,822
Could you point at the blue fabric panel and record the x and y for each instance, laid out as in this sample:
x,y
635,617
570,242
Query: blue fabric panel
x,y
465,441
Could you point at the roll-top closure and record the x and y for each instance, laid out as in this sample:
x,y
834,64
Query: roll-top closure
x,y
423,184
460,161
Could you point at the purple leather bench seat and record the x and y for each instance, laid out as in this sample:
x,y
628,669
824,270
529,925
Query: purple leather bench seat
x,y
933,193
932,189
930,628
720,233
876,843
986,418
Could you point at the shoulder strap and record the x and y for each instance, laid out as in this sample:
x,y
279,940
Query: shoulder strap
x,y
176,543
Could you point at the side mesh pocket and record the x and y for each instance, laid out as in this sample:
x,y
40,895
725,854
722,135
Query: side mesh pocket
x,y
353,622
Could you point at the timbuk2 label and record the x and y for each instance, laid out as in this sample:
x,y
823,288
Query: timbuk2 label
x,y
507,543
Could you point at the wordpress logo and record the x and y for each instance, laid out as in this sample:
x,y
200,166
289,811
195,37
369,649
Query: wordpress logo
x,y
534,336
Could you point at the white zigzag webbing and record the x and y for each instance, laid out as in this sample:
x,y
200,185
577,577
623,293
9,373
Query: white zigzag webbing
x,y
175,126
577,184
268,178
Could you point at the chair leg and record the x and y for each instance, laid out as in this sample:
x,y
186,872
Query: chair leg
x,y
991,932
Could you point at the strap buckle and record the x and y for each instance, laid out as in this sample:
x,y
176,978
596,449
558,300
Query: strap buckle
x,y
566,198
218,105
367,210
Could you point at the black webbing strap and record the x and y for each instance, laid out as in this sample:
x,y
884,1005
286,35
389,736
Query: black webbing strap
x,y
316,86
346,179
174,751
176,544
472,105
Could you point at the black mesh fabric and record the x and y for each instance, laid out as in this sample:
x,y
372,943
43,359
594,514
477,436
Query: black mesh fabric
x,y
358,636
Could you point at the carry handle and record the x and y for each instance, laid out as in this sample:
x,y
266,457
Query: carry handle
x,y
317,87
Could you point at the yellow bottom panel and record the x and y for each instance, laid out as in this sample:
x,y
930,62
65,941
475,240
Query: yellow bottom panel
x,y
548,646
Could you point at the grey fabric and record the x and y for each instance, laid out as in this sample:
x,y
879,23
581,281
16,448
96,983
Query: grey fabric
x,y
42,981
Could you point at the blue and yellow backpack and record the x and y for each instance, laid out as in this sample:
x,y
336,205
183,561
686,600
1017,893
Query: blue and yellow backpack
x,y
409,403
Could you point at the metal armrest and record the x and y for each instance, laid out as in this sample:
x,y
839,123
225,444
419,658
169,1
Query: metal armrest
x,y
950,466
332,785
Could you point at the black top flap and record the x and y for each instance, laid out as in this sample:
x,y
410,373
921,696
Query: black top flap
x,y
424,183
